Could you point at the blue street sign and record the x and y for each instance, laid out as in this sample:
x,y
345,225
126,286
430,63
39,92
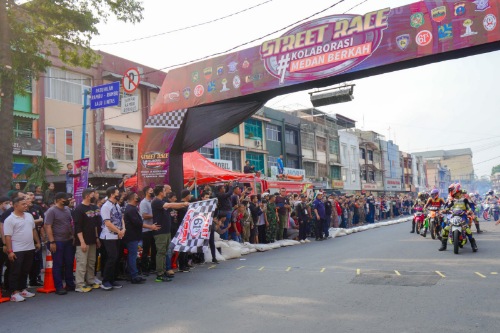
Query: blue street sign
x,y
105,95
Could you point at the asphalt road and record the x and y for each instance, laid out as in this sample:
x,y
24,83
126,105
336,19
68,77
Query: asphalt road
x,y
380,280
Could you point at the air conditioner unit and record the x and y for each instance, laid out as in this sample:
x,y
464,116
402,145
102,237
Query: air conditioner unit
x,y
258,143
111,165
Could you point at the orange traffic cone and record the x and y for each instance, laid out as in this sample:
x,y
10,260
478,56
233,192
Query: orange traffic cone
x,y
48,281
3,299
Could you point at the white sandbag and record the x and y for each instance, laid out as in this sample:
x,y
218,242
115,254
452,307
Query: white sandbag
x,y
234,244
354,229
216,237
262,247
221,244
275,245
230,253
348,231
253,250
248,245
293,242
244,250
208,255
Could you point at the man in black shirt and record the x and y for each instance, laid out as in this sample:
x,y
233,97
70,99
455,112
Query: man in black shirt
x,y
87,242
133,234
302,211
161,217
37,212
248,168
328,215
225,206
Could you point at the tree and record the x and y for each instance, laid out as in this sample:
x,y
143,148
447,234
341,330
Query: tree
x,y
37,29
495,169
36,174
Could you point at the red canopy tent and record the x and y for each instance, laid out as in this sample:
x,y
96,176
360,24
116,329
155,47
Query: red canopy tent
x,y
205,172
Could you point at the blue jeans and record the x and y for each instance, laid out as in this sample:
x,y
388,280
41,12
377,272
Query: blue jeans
x,y
225,235
234,237
132,259
63,258
326,225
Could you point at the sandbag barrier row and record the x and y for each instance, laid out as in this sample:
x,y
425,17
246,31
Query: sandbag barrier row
x,y
232,250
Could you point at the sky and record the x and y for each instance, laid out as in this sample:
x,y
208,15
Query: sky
x,y
447,105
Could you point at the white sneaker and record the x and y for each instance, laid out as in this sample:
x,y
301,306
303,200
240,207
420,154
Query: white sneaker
x,y
302,241
26,294
96,280
308,241
16,297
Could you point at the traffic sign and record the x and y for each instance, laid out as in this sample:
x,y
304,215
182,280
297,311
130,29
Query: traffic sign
x,y
105,95
131,80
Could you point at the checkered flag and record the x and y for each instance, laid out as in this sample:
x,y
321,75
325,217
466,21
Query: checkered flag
x,y
172,119
194,231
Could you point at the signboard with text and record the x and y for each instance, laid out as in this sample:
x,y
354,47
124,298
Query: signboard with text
x,y
105,95
81,182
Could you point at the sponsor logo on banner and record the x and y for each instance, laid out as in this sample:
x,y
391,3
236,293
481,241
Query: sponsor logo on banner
x,y
417,20
199,90
460,9
172,97
195,76
468,28
438,14
220,70
232,67
224,85
236,82
211,86
207,72
423,38
252,78
445,31
403,41
482,5
324,47
153,160
490,22
186,92
245,64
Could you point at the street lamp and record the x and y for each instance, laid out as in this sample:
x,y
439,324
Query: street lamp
x,y
331,96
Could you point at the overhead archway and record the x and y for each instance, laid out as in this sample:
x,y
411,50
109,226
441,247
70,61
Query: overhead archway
x,y
202,101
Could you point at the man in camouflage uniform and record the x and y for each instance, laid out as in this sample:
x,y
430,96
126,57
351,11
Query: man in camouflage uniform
x,y
271,220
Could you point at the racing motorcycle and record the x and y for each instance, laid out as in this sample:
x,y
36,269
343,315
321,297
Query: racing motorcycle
x,y
419,218
458,225
434,222
489,210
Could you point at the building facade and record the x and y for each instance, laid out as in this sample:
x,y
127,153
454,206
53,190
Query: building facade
x,y
349,158
438,176
419,174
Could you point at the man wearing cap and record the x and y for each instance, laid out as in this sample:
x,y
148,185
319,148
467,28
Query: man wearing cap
x,y
302,211
319,214
59,230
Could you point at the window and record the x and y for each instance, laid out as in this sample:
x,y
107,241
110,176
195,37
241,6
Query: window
x,y
307,140
68,147
335,172
362,153
322,170
363,175
235,130
253,130
272,161
23,128
292,163
66,86
353,150
310,169
334,147
273,133
51,142
344,153
353,176
291,137
371,176
207,152
370,155
257,160
233,156
87,145
123,151
321,144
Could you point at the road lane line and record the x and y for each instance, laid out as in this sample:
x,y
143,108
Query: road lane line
x,y
358,271
288,269
261,269
494,273
213,266
397,273
322,270
240,267
481,275
440,274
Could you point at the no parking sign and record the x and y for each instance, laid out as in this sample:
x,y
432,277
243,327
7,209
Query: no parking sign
x,y
131,80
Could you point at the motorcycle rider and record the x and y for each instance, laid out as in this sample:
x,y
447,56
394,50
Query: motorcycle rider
x,y
418,206
491,200
458,201
433,201
472,202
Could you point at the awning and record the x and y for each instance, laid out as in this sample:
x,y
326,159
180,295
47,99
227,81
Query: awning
x,y
230,146
122,129
26,115
336,164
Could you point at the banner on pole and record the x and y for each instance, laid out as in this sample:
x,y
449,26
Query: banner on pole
x,y
194,231
81,182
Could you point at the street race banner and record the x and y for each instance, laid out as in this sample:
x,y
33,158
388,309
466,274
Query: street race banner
x,y
81,182
194,231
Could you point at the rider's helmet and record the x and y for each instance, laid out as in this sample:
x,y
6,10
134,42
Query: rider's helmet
x,y
455,189
491,192
435,193
421,195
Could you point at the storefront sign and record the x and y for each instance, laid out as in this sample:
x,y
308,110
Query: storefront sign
x,y
393,185
27,147
337,184
288,171
369,186
224,164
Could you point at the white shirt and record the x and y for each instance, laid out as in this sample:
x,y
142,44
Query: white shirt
x,y
21,231
111,212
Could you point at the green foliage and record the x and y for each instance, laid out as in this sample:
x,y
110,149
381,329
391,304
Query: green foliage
x,y
495,169
36,174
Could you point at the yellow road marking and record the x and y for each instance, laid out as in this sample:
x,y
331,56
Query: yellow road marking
x,y
440,274
262,268
397,273
494,273
481,275
213,266
322,270
240,267
288,269
358,271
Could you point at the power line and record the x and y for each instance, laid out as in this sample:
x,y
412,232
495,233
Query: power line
x,y
184,28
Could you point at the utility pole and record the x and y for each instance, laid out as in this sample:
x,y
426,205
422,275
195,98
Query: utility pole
x,y
7,99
